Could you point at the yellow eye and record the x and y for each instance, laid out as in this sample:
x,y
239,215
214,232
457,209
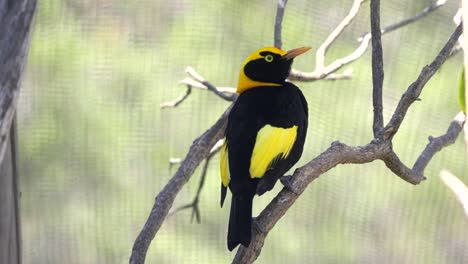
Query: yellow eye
x,y
269,58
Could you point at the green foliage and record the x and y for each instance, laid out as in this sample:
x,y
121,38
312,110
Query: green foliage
x,y
461,91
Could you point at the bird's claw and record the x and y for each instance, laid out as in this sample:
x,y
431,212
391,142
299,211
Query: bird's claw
x,y
286,181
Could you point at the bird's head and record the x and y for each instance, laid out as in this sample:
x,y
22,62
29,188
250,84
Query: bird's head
x,y
267,66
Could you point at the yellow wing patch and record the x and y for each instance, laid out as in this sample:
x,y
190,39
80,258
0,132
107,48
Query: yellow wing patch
x,y
271,142
224,165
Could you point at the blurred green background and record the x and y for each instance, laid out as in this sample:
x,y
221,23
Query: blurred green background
x,y
95,146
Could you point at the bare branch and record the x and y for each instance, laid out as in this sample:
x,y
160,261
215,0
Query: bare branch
x,y
401,170
361,49
195,80
192,73
199,85
434,6
320,54
436,144
199,150
377,66
333,67
194,205
414,90
458,188
429,9
321,71
279,22
177,101
416,175
337,153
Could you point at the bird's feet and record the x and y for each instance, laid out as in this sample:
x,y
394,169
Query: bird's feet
x,y
286,181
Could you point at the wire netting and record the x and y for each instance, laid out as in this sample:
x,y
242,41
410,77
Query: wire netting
x,y
95,145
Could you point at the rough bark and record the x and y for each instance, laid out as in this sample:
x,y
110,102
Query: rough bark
x,y
15,25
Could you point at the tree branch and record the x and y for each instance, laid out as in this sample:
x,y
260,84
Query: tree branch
x,y
199,150
339,153
325,72
436,144
393,162
279,22
321,71
414,90
196,200
192,73
179,100
320,54
457,187
377,66
426,11
434,6
361,49
379,148
195,80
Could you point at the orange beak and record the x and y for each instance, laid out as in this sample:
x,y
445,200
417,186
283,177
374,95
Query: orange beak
x,y
295,52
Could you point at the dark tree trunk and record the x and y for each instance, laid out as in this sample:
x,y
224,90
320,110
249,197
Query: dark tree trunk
x,y
10,225
15,24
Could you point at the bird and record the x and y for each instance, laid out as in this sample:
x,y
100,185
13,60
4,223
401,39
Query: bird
x,y
264,137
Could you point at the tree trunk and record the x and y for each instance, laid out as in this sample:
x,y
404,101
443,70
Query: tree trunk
x,y
15,25
10,225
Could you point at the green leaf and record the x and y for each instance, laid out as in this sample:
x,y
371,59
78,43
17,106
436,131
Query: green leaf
x,y
461,91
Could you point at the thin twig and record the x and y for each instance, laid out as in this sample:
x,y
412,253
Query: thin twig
x,y
278,23
195,75
457,187
178,100
414,90
195,80
377,66
361,49
426,11
434,6
436,144
194,205
199,85
199,150
321,51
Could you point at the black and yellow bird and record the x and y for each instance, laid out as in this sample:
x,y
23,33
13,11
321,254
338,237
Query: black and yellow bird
x,y
264,137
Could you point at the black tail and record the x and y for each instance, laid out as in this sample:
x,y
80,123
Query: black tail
x,y
240,221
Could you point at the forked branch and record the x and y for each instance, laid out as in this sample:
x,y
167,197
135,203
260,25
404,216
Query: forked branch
x,y
380,148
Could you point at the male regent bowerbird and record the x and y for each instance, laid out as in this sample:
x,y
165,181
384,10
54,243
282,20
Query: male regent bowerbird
x,y
264,137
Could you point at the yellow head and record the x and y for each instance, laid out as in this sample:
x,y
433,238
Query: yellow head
x,y
267,66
